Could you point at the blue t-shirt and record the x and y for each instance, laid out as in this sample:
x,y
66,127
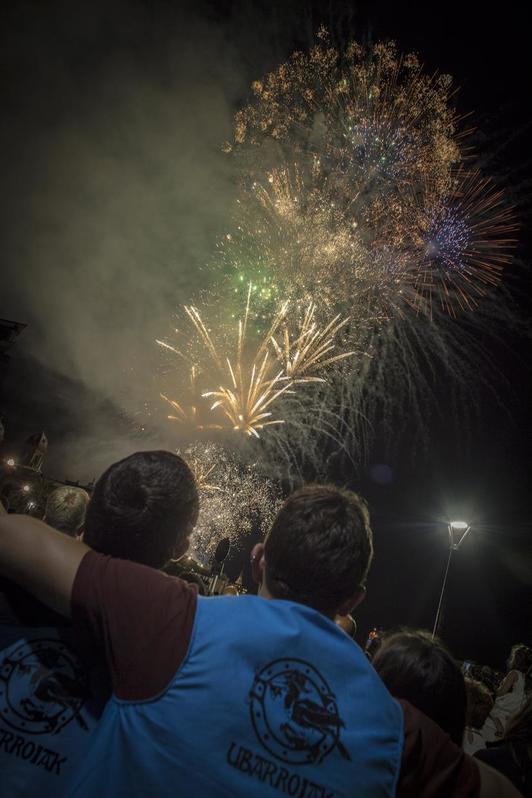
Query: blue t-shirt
x,y
48,710
271,699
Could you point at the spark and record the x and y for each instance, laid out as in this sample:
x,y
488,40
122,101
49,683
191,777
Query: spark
x,y
307,352
259,370
236,498
464,242
253,385
193,414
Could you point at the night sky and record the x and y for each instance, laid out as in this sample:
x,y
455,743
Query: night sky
x,y
114,192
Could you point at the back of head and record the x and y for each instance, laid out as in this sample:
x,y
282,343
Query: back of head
x,y
421,670
65,509
319,549
520,658
143,508
479,703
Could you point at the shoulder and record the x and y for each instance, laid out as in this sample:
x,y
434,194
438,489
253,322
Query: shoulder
x,y
108,579
139,619
432,764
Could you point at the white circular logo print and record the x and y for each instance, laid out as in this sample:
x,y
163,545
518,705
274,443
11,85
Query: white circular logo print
x,y
42,687
294,712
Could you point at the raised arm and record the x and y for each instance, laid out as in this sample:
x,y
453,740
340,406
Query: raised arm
x,y
39,559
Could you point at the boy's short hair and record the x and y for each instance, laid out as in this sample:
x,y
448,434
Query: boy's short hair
x,y
143,508
65,509
319,549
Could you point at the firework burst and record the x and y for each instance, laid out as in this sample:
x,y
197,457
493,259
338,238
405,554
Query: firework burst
x,y
235,498
463,242
259,372
312,348
357,199
353,179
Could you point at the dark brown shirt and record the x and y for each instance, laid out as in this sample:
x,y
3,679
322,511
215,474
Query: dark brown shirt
x,y
141,620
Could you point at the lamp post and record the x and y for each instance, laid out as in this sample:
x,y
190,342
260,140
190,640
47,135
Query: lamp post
x,y
458,531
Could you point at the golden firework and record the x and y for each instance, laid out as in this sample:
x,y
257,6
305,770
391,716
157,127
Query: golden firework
x,y
311,349
191,413
257,373
254,383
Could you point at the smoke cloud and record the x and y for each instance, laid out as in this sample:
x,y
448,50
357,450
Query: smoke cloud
x,y
116,191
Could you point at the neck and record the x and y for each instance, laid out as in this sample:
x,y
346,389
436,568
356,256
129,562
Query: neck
x,y
263,592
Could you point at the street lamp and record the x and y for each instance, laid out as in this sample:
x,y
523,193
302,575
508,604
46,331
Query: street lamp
x,y
458,531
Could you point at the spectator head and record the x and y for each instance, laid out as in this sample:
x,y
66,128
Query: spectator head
x,y
175,568
65,509
419,669
520,658
490,678
318,551
479,703
143,508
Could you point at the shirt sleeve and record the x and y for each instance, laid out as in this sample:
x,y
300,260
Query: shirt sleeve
x,y
432,765
135,621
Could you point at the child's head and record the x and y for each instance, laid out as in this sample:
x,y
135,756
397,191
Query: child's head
x,y
479,703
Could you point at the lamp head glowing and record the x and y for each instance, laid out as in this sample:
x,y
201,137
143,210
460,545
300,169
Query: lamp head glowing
x,y
458,531
10,461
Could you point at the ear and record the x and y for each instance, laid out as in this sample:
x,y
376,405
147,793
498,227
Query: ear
x,y
357,598
181,548
258,563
